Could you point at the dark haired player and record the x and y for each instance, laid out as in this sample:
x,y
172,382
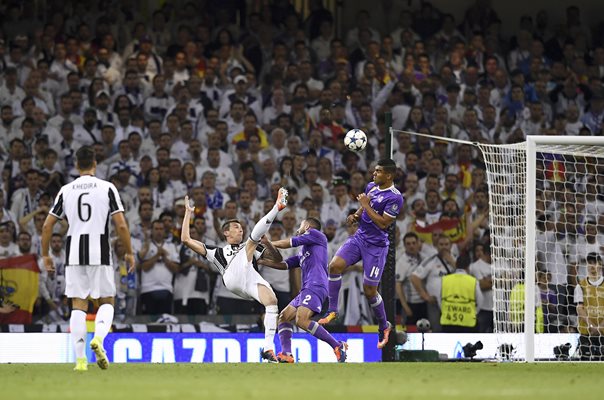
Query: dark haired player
x,y
380,205
235,263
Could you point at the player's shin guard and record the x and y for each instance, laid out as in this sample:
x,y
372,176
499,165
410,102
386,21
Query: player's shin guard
x,y
285,337
320,333
103,321
77,327
335,283
270,327
264,224
377,305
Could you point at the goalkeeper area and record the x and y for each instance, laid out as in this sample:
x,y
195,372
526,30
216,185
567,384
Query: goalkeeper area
x,y
304,381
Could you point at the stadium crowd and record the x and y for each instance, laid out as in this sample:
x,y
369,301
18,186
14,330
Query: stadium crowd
x,y
190,100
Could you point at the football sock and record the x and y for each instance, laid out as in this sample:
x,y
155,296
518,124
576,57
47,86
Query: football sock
x,y
270,326
320,333
103,321
285,337
377,305
264,224
77,326
335,283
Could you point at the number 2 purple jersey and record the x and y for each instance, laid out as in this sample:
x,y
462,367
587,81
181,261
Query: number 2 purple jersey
x,y
312,259
388,201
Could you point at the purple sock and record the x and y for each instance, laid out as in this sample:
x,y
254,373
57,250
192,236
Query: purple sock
x,y
285,337
377,305
335,283
320,333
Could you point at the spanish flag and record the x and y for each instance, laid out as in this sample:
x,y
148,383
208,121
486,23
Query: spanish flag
x,y
19,278
455,228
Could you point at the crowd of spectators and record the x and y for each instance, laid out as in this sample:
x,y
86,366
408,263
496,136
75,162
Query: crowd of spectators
x,y
189,99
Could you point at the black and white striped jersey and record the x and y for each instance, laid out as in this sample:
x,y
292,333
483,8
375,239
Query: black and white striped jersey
x,y
87,204
221,257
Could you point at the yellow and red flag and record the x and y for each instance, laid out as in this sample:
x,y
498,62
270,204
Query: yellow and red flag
x,y
19,277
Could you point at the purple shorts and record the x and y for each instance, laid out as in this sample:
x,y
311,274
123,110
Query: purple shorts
x,y
309,299
374,258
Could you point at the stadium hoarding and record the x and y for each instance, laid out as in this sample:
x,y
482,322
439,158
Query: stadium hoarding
x,y
245,347
179,347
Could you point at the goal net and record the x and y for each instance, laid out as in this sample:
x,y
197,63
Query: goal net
x,y
546,222
546,200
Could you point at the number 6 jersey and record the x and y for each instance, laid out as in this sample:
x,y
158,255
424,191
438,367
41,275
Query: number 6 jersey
x,y
87,203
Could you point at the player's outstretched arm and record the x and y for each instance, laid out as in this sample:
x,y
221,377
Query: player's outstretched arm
x,y
185,235
272,264
282,244
123,233
271,252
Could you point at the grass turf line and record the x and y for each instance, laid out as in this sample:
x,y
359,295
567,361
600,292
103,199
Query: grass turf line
x,y
304,381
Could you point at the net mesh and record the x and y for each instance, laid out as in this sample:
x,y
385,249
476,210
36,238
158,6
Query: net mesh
x,y
569,202
568,242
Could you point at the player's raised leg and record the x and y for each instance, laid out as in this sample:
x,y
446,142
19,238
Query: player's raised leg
x,y
103,322
269,301
77,327
286,330
265,222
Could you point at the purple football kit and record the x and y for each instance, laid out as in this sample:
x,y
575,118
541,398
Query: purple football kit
x,y
312,260
370,242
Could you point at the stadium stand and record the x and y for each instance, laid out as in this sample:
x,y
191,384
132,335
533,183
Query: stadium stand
x,y
227,105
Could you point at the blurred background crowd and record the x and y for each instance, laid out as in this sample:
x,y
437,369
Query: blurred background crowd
x,y
227,101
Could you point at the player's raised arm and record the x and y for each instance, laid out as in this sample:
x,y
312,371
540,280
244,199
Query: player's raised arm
x,y
185,236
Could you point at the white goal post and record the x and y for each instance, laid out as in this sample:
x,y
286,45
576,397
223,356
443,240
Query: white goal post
x,y
546,200
574,146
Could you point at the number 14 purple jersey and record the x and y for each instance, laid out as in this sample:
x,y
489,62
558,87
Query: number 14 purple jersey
x,y
388,201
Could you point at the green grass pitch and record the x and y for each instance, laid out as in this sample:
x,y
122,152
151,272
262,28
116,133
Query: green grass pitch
x,y
417,381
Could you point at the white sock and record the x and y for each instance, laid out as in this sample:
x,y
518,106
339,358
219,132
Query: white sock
x,y
103,321
264,224
270,327
77,326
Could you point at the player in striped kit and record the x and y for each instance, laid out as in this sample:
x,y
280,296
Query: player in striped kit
x,y
88,203
235,263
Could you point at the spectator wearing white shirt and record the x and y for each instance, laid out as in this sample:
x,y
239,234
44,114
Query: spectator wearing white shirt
x,y
225,179
158,266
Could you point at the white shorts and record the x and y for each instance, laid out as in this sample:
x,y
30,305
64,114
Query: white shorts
x,y
82,281
242,279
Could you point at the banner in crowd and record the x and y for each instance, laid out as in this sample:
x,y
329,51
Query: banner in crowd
x,y
19,278
453,228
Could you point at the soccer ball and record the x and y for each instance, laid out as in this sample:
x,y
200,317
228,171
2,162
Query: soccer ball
x,y
355,140
423,325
